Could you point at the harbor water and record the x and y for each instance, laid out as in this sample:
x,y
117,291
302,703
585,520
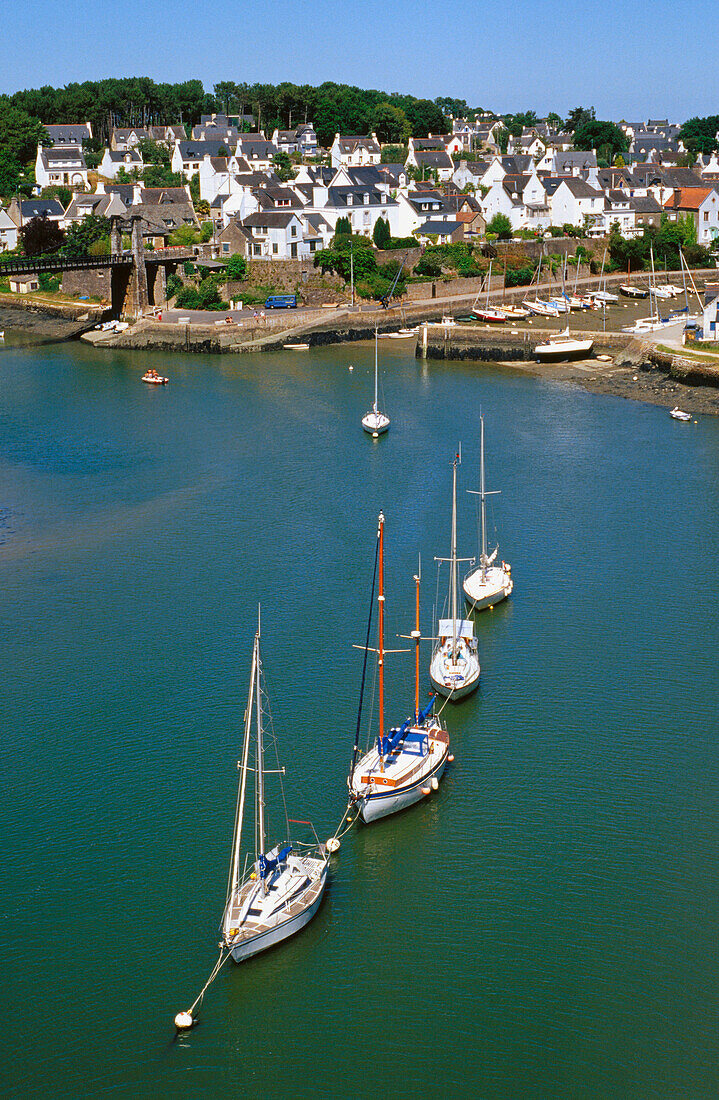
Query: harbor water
x,y
546,923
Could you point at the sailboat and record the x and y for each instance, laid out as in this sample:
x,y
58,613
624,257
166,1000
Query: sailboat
x,y
454,668
563,347
539,306
490,316
275,892
489,583
406,764
629,290
374,421
603,296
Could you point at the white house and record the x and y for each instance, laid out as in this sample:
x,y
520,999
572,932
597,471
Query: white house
x,y
577,203
62,165
414,208
188,155
355,151
275,235
72,133
430,155
702,204
8,232
257,151
112,162
127,137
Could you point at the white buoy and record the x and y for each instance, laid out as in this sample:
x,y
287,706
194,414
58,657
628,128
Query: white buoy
x,y
375,435
434,782
351,368
333,844
183,1021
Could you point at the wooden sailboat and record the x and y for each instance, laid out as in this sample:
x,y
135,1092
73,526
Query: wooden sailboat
x,y
454,668
273,893
406,764
490,582
374,421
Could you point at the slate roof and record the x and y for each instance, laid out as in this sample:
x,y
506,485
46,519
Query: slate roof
x,y
645,204
439,228
159,196
349,144
39,208
273,219
581,189
259,149
70,134
122,156
196,150
63,155
433,159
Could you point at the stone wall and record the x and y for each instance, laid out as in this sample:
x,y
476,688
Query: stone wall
x,y
95,282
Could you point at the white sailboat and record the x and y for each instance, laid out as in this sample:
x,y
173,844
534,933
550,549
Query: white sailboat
x,y
274,893
406,764
563,347
490,582
374,421
454,668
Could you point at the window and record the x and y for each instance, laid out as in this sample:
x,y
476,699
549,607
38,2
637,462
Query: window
x,y
258,249
349,200
275,248
294,231
225,246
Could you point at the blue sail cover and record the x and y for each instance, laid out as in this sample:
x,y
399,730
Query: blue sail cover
x,y
268,864
387,744
423,713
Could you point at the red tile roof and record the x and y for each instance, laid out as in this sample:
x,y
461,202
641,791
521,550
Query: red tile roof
x,y
687,198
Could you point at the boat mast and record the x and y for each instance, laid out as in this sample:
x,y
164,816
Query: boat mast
x,y
380,644
260,765
416,633
234,881
653,286
374,407
453,558
483,496
489,283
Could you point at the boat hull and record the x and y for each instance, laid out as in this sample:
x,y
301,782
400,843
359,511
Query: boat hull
x,y
382,804
272,936
497,586
375,423
564,352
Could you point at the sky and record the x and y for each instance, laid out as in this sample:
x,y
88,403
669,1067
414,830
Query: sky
x,y
629,60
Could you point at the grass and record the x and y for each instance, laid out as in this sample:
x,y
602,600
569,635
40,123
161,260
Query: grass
x,y
707,357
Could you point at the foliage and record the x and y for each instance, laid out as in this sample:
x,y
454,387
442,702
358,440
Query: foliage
x,y
207,230
174,284
400,242
502,139
500,226
381,233
203,208
283,166
49,283
343,227
186,235
80,236
578,117
40,235
519,276
605,137
154,152
394,154
375,285
155,175
389,123
337,257
195,187
56,191
700,134
236,267
187,298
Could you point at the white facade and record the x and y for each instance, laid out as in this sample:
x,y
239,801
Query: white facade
x,y
355,152
8,232
62,166
570,208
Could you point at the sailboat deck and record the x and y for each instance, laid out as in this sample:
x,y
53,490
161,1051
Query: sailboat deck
x,y
401,767
289,892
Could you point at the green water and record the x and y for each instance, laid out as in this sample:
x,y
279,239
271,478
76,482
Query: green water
x,y
546,925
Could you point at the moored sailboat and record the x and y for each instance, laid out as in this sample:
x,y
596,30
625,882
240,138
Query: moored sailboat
x,y
454,668
277,891
406,764
487,584
375,422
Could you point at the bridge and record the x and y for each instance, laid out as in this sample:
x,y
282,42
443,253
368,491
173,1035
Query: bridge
x,y
132,285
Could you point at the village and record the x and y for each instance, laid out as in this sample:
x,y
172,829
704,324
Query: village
x,y
276,204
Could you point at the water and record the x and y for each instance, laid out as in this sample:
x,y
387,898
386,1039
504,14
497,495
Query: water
x,y
546,924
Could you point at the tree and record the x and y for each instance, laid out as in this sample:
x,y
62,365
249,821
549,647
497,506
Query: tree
x,y
347,252
186,235
80,236
236,266
579,116
394,154
155,175
343,227
554,119
283,166
502,138
381,234
700,134
389,123
154,152
500,226
605,137
40,236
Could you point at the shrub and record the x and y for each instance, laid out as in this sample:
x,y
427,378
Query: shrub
x,y
174,285
501,227
236,267
519,276
188,298
206,231
428,265
381,234
49,283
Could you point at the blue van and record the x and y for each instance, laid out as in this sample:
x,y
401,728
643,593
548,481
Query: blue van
x,y
281,301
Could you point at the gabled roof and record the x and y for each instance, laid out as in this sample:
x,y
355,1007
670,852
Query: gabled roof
x,y
256,149
41,208
433,159
72,133
349,144
645,204
122,156
688,198
161,196
196,150
439,228
273,219
581,189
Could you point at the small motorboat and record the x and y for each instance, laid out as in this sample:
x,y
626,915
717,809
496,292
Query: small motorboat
x,y
154,379
630,291
679,414
403,334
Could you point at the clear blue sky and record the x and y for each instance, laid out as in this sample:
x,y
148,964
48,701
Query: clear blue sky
x,y
627,59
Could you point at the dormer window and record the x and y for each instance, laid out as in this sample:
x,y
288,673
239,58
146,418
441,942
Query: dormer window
x,y
366,199
349,200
